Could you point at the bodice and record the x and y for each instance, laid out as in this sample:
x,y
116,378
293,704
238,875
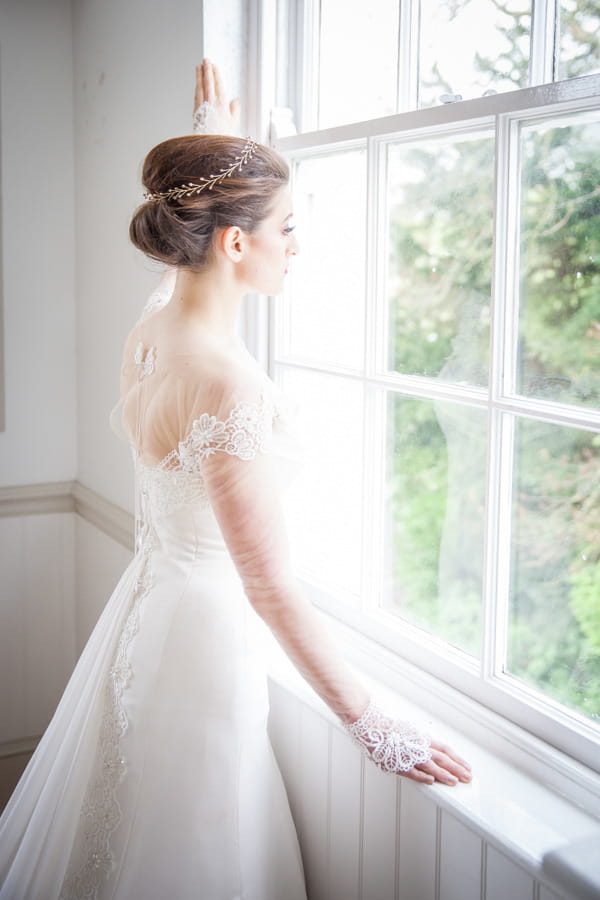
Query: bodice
x,y
174,509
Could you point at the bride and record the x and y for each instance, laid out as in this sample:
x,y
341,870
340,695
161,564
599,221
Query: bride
x,y
155,778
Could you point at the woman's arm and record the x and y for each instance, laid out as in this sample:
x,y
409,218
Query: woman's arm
x,y
247,506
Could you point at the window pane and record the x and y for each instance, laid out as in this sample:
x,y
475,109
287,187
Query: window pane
x,y
560,260
325,497
358,60
440,215
554,628
471,46
323,309
579,38
435,517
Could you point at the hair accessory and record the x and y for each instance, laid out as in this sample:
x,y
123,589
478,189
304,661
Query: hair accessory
x,y
191,188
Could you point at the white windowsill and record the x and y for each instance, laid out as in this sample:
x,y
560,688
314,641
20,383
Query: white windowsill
x,y
508,804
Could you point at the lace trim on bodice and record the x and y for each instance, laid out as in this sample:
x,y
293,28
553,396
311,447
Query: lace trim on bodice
x,y
177,480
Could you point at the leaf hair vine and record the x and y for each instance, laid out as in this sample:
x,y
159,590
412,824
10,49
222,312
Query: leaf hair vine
x,y
191,189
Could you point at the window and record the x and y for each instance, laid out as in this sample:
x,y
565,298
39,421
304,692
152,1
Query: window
x,y
442,327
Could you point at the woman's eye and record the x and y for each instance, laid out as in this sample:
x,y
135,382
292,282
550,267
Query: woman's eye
x,y
288,229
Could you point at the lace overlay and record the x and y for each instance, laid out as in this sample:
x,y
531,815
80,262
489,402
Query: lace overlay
x,y
208,120
392,745
177,480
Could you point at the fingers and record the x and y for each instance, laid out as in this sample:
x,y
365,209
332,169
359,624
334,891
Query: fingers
x,y
219,86
208,81
199,91
234,109
445,766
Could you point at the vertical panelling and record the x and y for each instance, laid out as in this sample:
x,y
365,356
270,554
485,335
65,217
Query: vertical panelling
x,y
418,844
505,879
284,731
546,894
37,616
313,822
345,850
460,862
380,839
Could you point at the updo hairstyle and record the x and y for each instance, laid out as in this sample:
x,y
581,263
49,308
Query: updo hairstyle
x,y
179,232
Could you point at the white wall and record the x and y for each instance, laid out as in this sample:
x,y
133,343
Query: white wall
x,y
36,133
134,79
99,563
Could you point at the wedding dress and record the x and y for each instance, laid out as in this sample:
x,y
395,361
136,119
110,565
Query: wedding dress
x,y
155,778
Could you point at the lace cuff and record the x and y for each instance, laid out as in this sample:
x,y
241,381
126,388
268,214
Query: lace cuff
x,y
394,746
206,120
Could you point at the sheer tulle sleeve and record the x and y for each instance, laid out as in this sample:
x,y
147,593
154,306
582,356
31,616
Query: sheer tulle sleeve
x,y
242,490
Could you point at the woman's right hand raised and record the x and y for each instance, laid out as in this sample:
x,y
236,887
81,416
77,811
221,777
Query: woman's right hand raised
x,y
213,113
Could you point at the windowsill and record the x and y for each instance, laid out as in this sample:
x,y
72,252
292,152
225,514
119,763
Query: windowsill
x,y
514,802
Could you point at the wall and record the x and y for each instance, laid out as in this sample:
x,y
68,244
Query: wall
x,y
38,445
133,86
36,131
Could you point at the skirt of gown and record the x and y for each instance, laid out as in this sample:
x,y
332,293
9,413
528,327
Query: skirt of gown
x,y
155,777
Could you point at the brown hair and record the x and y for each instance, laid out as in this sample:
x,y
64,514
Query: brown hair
x,y
179,232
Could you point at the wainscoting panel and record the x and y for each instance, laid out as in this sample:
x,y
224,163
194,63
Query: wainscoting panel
x,y
380,831
417,846
345,818
37,619
314,824
368,836
459,860
505,879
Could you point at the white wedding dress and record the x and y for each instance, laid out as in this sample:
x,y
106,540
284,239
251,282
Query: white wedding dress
x,y
155,779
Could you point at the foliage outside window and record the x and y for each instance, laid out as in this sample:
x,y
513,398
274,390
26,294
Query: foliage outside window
x,y
443,327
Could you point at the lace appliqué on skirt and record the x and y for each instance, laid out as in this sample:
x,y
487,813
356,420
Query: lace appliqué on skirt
x,y
91,858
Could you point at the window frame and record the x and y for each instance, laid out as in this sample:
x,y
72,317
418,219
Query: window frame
x,y
563,743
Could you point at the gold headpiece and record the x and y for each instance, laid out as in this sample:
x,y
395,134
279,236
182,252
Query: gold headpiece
x,y
191,188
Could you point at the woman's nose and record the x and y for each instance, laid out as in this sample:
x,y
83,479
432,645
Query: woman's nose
x,y
294,246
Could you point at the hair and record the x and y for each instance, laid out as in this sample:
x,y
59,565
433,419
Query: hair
x,y
180,232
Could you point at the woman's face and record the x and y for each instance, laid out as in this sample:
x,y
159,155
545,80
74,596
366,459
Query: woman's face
x,y
270,247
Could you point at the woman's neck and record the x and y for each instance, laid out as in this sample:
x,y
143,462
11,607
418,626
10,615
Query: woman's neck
x,y
210,299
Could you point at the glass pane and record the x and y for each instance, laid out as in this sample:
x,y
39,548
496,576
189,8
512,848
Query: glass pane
x,y
324,500
435,517
472,46
579,38
324,306
560,260
554,626
358,60
440,215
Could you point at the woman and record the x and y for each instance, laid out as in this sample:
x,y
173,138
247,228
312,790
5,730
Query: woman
x,y
155,778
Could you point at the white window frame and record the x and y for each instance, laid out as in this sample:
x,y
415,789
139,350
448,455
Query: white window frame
x,y
534,733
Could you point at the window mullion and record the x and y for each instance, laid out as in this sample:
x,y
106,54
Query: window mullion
x,y
408,55
543,41
309,16
374,398
502,350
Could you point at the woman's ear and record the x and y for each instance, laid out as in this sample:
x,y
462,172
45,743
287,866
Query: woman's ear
x,y
232,241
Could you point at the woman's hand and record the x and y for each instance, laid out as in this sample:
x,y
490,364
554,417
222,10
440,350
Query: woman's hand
x,y
212,113
399,748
